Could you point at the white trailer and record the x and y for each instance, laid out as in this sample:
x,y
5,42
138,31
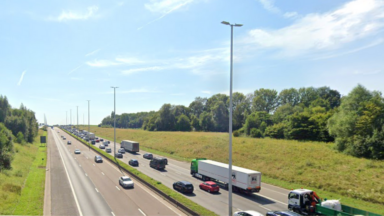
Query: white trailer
x,y
243,180
131,146
91,136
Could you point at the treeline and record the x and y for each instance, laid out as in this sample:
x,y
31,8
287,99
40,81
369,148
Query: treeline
x,y
15,124
301,114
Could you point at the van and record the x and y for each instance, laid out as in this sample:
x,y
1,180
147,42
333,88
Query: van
x,y
157,163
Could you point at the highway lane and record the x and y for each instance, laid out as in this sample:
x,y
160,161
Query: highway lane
x,y
137,201
270,197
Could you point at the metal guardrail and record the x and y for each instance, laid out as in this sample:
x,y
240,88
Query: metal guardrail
x,y
179,205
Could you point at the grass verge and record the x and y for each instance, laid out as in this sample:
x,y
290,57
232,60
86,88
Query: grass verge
x,y
358,182
169,192
22,187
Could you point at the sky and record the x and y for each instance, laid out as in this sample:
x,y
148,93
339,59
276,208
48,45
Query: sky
x,y
56,55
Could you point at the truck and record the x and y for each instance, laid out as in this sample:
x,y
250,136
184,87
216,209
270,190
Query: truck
x,y
131,146
243,180
307,202
91,136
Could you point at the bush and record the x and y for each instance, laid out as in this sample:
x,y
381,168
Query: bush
x,y
236,133
20,138
275,131
256,133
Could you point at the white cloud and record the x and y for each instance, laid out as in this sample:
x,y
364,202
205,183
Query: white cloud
x,y
76,78
74,69
136,70
321,32
130,61
206,92
290,14
102,63
21,78
92,53
178,94
269,6
72,15
367,72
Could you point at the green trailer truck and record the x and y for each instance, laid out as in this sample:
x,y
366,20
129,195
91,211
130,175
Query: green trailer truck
x,y
306,202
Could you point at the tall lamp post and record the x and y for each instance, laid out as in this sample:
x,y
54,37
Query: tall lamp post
x,y
77,115
89,145
114,119
230,121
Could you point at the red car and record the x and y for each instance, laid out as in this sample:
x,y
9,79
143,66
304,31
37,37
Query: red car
x,y
209,186
97,140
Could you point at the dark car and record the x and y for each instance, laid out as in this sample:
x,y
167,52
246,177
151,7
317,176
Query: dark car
x,y
183,186
98,158
101,139
148,155
133,162
165,159
109,142
119,155
108,150
158,163
93,142
282,213
209,186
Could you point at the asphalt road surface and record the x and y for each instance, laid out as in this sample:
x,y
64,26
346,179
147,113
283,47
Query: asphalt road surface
x,y
95,186
269,198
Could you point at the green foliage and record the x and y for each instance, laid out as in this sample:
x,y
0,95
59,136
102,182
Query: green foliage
x,y
20,138
236,133
265,100
220,116
183,123
275,131
256,133
6,147
206,121
358,124
195,123
255,120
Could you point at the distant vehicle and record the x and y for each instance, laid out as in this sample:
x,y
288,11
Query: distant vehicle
x,y
96,137
58,131
157,163
121,150
77,151
98,158
126,182
108,150
105,143
183,186
109,142
131,146
91,136
148,155
119,155
247,213
97,140
282,213
101,139
69,142
209,186
93,142
64,138
133,162
101,146
86,139
243,180
165,159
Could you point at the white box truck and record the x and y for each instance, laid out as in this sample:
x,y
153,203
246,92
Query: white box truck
x,y
131,146
243,180
91,136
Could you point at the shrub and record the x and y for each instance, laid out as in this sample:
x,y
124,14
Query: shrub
x,y
256,133
236,133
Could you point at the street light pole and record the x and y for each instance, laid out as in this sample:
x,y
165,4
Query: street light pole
x,y
89,145
114,119
66,118
230,122
77,115
70,117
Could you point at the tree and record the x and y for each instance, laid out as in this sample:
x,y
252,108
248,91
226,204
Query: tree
x,y
289,96
282,113
206,121
307,95
275,131
256,133
6,147
183,123
220,116
166,120
215,98
255,120
301,127
195,123
4,108
240,114
265,100
180,110
332,96
197,106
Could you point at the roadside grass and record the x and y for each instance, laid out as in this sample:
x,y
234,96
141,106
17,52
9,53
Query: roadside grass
x,y
13,182
169,192
358,182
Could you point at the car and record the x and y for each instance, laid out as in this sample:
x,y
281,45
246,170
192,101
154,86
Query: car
x,y
108,150
209,186
183,186
77,151
64,138
165,159
97,140
69,142
96,137
157,163
102,146
105,143
126,182
93,142
247,213
101,139
133,162
148,155
119,155
109,142
121,150
98,158
58,131
282,213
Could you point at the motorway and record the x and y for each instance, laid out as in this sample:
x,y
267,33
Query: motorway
x,y
270,197
95,187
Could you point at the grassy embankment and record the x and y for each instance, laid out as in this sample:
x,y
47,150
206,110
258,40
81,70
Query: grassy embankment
x,y
22,187
286,163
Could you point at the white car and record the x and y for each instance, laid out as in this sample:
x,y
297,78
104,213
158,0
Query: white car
x,y
247,213
125,182
77,151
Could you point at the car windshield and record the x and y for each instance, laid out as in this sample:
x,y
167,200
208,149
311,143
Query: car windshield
x,y
126,179
213,185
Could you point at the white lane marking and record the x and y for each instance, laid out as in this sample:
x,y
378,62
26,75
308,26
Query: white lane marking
x,y
142,212
113,214
163,174
96,190
86,174
93,164
265,208
117,188
264,188
102,173
271,199
70,183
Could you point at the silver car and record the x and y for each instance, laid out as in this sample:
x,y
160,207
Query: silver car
x,y
101,146
77,151
126,182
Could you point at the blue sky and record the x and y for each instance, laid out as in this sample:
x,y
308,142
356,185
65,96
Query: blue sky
x,y
56,55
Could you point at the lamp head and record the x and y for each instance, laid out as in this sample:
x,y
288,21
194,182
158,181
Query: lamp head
x,y
225,23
